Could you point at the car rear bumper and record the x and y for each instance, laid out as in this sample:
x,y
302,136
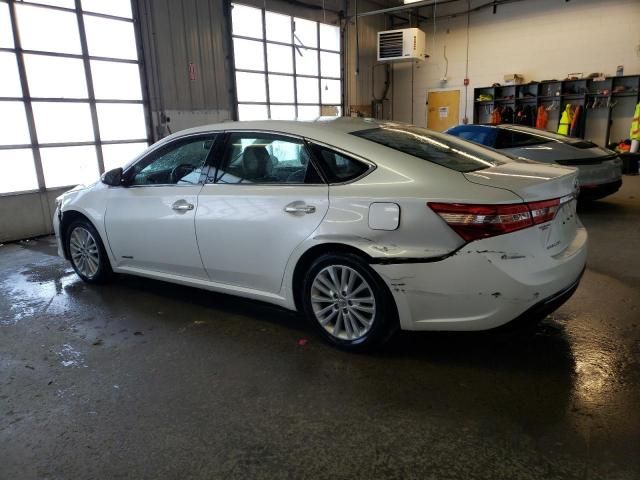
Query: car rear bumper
x,y
481,287
600,190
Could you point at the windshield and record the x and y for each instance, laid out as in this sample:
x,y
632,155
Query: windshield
x,y
444,150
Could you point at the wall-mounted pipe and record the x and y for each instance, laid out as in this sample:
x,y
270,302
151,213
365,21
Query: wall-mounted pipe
x,y
428,3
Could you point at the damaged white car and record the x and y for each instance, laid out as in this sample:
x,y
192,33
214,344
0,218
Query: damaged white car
x,y
364,226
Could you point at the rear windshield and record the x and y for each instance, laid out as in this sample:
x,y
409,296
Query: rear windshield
x,y
441,149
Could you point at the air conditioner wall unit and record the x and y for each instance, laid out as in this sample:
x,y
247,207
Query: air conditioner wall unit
x,y
404,44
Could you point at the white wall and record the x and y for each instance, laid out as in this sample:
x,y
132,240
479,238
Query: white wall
x,y
541,39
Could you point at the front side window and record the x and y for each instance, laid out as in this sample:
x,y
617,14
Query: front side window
x,y
513,139
481,135
179,163
266,158
338,167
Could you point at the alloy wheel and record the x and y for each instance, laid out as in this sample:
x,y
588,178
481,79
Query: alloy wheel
x,y
84,252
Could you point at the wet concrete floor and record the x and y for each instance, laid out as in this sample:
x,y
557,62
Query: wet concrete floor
x,y
141,379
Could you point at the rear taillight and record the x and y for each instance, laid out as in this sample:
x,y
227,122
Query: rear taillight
x,y
472,221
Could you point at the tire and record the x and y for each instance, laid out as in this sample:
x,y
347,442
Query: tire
x,y
86,251
361,320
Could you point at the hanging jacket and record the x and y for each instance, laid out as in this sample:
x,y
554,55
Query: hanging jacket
x,y
565,121
496,118
507,115
575,130
634,133
519,116
542,118
531,115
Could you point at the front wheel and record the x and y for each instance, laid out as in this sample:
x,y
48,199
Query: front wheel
x,y
348,302
86,252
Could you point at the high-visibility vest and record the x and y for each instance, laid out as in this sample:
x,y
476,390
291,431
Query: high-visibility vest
x,y
565,121
634,133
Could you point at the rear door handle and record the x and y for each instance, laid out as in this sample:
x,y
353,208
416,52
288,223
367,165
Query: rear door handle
x,y
182,206
297,208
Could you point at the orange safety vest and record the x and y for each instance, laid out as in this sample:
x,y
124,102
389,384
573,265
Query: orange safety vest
x,y
542,118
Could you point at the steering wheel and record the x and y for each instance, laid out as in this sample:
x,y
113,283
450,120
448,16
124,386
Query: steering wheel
x,y
180,171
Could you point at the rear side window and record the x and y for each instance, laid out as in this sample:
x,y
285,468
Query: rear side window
x,y
339,168
433,147
513,139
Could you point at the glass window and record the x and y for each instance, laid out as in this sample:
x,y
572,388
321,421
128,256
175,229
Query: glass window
x,y
6,34
305,32
264,158
67,166
248,54
330,90
118,8
279,58
13,124
307,89
179,163
120,154
121,121
306,61
57,3
514,139
281,89
330,64
283,112
110,38
58,122
329,37
18,171
252,112
48,30
481,135
278,27
116,80
251,87
337,167
9,78
441,149
246,21
308,112
55,77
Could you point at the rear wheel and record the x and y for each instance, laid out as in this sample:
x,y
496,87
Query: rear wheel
x,y
348,302
86,252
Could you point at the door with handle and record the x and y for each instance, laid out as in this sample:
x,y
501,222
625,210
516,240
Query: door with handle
x,y
150,220
267,199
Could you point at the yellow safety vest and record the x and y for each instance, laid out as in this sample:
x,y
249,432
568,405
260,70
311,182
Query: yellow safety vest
x,y
634,134
565,121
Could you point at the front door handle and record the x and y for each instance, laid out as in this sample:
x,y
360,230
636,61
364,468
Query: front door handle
x,y
297,208
182,206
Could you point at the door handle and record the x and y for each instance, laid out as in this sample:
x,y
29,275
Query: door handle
x,y
182,206
292,208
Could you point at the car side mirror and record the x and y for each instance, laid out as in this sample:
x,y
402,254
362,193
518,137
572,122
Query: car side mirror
x,y
112,178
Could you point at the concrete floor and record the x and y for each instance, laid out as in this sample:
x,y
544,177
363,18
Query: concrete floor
x,y
140,379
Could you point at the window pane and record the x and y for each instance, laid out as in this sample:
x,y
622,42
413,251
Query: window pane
x,y
119,8
339,168
307,89
278,27
13,124
9,78
248,54
57,3
110,38
63,122
115,80
330,91
264,159
48,30
121,154
330,64
281,89
330,111
306,61
329,37
306,32
18,171
252,112
246,21
6,34
251,87
64,166
283,112
279,58
120,121
306,112
55,77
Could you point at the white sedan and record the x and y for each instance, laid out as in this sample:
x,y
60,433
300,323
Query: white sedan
x,y
364,226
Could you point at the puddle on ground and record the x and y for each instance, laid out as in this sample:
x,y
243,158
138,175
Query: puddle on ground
x,y
70,357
